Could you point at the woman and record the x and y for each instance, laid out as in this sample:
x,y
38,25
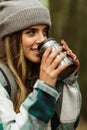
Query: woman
x,y
41,101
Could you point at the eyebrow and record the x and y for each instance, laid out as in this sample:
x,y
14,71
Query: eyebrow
x,y
29,28
32,27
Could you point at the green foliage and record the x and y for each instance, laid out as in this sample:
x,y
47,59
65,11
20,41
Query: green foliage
x,y
45,2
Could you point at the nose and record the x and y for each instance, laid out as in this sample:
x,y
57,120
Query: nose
x,y
40,38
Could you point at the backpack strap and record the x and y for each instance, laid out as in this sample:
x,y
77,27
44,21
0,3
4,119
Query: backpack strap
x,y
8,81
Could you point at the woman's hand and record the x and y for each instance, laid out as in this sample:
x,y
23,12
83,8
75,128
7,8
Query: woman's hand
x,y
49,69
71,54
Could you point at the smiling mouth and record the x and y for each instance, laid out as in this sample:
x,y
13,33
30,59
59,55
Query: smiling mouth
x,y
35,50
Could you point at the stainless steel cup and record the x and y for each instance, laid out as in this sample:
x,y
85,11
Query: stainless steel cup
x,y
50,42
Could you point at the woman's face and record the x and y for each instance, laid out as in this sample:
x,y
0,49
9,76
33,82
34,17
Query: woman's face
x,y
31,38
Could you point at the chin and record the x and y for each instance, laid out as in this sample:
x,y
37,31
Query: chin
x,y
36,60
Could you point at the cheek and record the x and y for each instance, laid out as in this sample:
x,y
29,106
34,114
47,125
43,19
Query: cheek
x,y
27,43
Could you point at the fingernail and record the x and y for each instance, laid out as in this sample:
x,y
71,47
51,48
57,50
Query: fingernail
x,y
61,48
65,53
75,58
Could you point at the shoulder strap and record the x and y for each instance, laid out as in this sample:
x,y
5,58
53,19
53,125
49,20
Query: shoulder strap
x,y
8,79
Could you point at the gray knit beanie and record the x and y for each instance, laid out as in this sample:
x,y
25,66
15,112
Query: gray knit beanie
x,y
16,15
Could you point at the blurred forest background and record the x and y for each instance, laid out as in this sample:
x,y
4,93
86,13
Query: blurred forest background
x,y
69,22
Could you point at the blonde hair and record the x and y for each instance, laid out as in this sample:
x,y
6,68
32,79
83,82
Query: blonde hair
x,y
14,58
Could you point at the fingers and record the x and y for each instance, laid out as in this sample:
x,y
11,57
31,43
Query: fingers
x,y
71,54
76,61
65,46
49,56
46,55
58,60
50,65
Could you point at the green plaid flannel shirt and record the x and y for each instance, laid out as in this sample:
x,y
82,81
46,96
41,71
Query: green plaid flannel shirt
x,y
38,110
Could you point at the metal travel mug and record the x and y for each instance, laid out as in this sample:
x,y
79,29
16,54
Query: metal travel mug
x,y
50,42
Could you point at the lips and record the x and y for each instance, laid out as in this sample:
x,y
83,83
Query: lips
x,y
35,50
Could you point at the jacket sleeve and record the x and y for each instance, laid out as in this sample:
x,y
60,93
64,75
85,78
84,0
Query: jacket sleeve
x,y
35,111
68,104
